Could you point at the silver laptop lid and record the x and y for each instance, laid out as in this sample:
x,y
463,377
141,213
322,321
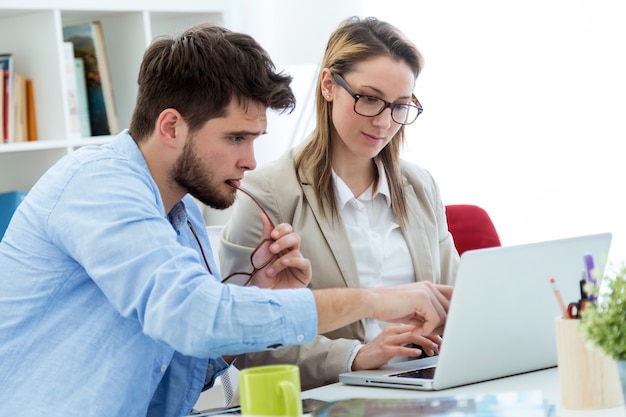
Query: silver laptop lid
x,y
501,318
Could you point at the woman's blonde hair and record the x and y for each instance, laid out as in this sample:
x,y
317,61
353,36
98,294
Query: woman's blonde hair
x,y
354,41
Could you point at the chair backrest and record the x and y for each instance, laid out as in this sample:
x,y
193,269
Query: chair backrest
x,y
471,227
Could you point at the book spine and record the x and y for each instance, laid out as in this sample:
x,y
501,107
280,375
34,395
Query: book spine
x,y
2,98
20,133
105,78
71,96
6,64
83,103
83,38
31,113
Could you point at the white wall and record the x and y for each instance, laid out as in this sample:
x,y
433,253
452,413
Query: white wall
x,y
525,105
524,102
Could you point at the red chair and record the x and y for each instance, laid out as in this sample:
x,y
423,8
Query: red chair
x,y
471,227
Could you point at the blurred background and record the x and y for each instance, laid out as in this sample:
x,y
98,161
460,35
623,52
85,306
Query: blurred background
x,y
524,102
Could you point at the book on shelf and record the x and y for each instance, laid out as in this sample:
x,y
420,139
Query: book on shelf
x,y
105,77
6,66
71,89
31,114
88,43
501,404
81,93
2,98
19,123
76,89
24,118
20,118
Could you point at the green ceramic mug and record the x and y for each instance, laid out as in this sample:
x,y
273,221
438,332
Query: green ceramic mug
x,y
270,390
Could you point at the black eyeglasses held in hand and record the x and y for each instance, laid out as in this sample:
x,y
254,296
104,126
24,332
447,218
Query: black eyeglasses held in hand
x,y
257,259
371,106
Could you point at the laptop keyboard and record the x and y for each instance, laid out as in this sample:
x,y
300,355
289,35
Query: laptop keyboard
x,y
424,373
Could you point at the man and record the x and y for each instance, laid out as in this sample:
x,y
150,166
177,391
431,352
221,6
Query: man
x,y
109,298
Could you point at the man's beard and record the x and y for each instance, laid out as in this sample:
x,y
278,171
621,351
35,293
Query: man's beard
x,y
190,173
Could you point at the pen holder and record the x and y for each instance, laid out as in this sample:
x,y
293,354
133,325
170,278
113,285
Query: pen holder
x,y
589,378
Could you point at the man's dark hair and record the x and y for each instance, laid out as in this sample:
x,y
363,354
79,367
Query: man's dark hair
x,y
199,72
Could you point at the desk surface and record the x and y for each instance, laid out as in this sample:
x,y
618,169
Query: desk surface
x,y
546,380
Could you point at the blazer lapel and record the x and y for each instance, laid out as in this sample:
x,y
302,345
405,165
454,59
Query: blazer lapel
x,y
417,238
336,237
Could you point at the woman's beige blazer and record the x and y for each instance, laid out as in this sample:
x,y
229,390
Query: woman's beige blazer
x,y
326,244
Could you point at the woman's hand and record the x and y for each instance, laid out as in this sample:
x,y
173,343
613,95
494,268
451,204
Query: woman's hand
x,y
392,342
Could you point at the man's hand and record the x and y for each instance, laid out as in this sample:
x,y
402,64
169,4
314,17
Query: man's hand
x,y
421,304
287,267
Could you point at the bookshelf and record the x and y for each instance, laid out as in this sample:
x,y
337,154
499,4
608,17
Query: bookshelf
x,y
33,32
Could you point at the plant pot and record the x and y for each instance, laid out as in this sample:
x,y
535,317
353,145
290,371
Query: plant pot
x,y
621,367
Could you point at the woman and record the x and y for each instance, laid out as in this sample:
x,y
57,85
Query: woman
x,y
365,217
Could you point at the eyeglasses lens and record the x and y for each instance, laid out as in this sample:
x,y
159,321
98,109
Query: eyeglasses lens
x,y
372,106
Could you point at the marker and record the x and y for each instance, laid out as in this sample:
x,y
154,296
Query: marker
x,y
589,269
559,299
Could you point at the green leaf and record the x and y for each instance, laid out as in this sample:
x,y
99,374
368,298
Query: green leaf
x,y
604,323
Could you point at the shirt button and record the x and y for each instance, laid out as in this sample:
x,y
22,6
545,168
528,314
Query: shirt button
x,y
210,367
163,368
300,338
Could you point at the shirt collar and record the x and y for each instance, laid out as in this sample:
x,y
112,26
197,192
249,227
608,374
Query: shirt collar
x,y
344,195
178,215
383,184
126,145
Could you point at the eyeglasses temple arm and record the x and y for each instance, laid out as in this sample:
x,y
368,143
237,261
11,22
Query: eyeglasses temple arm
x,y
253,198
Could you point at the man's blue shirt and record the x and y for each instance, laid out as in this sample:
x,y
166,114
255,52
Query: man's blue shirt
x,y
106,305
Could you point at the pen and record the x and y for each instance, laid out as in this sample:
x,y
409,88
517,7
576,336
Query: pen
x,y
559,299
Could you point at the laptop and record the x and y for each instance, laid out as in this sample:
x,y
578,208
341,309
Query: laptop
x,y
501,320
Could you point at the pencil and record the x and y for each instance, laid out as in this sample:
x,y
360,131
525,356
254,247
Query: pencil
x,y
559,299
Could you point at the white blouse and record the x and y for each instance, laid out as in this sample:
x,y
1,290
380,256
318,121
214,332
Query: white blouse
x,y
380,250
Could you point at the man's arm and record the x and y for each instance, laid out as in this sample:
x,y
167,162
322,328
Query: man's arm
x,y
422,304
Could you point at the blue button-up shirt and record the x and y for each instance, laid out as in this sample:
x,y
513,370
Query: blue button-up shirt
x,y
106,306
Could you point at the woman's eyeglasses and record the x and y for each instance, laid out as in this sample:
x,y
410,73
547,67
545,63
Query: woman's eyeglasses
x,y
260,256
371,106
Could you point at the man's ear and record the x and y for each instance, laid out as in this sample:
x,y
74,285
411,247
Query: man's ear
x,y
171,127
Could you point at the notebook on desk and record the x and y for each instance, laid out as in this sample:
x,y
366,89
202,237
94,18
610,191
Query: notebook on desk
x,y
501,320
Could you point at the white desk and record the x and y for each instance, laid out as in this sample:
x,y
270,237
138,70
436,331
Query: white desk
x,y
546,380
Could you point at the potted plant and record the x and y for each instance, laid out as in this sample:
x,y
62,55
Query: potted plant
x,y
603,323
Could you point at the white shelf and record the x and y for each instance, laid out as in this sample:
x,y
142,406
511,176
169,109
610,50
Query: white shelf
x,y
33,33
53,144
